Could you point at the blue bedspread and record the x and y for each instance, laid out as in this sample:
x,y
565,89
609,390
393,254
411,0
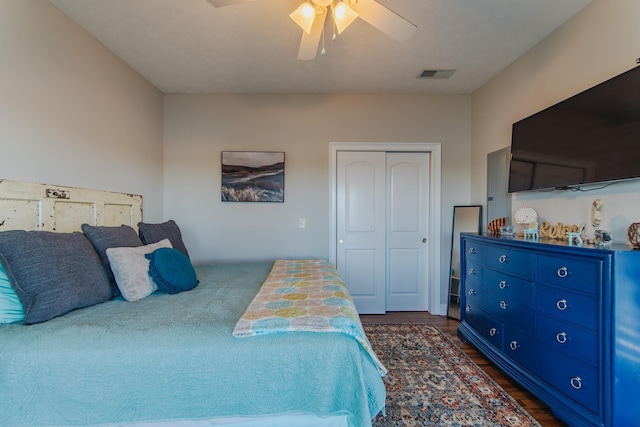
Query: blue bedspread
x,y
171,357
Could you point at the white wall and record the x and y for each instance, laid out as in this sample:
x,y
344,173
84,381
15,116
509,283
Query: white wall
x,y
71,112
199,127
597,44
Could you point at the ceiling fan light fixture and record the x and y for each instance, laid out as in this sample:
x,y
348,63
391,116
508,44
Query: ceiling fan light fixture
x,y
343,16
304,16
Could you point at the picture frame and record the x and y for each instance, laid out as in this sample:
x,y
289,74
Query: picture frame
x,y
252,176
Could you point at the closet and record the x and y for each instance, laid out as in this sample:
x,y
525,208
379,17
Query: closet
x,y
382,208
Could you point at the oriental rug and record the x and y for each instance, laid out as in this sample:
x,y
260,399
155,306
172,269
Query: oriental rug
x,y
432,382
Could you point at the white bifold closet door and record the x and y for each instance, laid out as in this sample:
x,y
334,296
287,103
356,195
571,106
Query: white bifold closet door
x,y
382,221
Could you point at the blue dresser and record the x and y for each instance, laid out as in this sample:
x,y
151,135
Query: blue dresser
x,y
562,320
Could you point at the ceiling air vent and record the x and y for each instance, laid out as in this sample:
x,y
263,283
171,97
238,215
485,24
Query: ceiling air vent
x,y
435,74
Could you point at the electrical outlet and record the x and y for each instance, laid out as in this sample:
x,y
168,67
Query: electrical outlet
x,y
302,222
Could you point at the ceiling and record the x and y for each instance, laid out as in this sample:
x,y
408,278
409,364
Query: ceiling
x,y
188,46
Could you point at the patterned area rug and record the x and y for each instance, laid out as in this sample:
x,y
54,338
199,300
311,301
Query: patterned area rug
x,y
431,382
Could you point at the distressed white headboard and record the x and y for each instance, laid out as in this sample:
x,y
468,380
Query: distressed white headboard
x,y
30,206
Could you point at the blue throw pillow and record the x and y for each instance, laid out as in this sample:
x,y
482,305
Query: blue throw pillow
x,y
153,233
11,310
103,238
171,270
53,273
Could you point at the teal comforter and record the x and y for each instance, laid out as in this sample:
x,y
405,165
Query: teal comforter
x,y
170,357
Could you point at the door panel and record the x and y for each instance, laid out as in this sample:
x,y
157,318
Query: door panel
x,y
360,253
406,233
402,264
359,272
498,197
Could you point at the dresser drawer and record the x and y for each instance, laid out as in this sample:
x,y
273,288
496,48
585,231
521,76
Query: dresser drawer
x,y
509,286
486,325
572,378
472,250
569,339
508,311
508,260
472,293
568,306
473,272
582,275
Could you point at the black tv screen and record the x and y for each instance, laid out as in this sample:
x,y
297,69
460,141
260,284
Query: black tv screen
x,y
592,137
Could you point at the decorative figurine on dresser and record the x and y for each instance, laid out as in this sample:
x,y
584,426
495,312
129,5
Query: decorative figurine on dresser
x,y
561,319
634,235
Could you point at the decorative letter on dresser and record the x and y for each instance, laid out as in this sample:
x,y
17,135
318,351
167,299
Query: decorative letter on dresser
x,y
562,320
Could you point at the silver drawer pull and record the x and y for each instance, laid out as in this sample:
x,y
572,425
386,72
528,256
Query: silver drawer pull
x,y
503,305
513,345
493,331
472,292
503,284
467,308
562,304
563,272
472,251
576,382
503,259
472,272
561,337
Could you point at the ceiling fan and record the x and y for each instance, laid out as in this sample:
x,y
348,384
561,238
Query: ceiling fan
x,y
311,16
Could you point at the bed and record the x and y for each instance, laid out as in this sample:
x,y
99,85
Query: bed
x,y
198,357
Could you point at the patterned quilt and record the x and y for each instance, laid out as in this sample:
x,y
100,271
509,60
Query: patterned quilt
x,y
304,295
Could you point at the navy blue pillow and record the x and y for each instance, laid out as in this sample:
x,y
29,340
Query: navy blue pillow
x,y
103,238
171,270
153,233
53,273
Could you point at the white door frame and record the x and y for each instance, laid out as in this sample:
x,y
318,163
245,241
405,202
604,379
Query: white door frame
x,y
434,232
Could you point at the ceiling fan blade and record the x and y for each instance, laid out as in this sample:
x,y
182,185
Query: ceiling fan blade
x,y
222,3
309,42
384,19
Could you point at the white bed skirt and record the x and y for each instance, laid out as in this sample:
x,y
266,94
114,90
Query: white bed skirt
x,y
285,420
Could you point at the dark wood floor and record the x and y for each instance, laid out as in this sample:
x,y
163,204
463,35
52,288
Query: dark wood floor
x,y
535,407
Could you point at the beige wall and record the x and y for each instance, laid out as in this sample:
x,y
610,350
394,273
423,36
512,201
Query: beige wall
x,y
71,112
199,127
597,44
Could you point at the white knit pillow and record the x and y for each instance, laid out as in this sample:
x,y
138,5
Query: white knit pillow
x,y
131,269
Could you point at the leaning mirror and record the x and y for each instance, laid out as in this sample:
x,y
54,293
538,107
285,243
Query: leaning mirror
x,y
466,219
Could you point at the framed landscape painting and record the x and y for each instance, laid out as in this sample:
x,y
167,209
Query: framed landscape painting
x,y
252,176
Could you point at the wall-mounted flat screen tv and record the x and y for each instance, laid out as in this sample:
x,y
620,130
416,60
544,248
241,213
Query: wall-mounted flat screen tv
x,y
592,137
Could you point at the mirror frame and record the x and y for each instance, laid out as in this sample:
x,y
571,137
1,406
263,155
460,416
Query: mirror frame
x,y
460,224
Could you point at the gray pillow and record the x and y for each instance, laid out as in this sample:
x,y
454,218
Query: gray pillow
x,y
53,273
153,233
103,238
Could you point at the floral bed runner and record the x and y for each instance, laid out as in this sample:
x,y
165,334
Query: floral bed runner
x,y
308,296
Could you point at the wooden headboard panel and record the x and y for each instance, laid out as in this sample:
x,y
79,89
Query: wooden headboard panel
x,y
29,206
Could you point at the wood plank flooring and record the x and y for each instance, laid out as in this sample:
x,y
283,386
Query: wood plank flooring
x,y
539,410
